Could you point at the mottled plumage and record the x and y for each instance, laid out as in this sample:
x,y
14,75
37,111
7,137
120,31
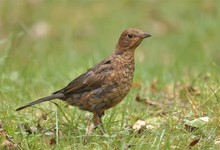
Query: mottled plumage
x,y
107,83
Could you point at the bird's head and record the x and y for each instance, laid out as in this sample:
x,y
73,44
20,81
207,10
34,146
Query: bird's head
x,y
130,39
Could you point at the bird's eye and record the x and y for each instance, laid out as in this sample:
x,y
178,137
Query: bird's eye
x,y
130,35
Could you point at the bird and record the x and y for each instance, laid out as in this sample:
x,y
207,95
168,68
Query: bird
x,y
104,85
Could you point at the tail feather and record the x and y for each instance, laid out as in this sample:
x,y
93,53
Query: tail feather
x,y
44,99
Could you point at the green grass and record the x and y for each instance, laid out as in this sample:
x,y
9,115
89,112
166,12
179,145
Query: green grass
x,y
183,51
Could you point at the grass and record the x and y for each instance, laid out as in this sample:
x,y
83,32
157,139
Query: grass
x,y
178,68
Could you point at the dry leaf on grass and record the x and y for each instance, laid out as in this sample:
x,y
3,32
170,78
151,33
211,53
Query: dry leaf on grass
x,y
49,133
192,90
2,131
194,142
136,84
139,125
217,141
25,127
147,101
1,124
196,123
52,141
40,30
9,145
153,86
44,116
90,128
33,129
190,128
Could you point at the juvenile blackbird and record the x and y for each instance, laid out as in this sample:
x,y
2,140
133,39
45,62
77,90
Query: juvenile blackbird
x,y
107,83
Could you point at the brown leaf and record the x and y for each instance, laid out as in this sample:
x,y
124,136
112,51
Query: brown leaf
x,y
128,146
26,128
2,132
8,144
136,85
60,134
190,128
153,86
217,141
207,76
33,129
1,124
40,128
44,116
139,125
90,128
40,30
52,141
161,112
194,142
147,101
192,90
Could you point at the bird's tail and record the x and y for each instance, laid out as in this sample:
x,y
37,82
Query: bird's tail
x,y
44,99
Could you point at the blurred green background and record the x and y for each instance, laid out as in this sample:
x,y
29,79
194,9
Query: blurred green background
x,y
46,44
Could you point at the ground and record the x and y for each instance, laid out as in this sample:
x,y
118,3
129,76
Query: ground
x,y
174,100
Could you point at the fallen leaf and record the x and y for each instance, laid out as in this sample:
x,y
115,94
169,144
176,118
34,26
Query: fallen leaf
x,y
49,133
149,127
207,76
2,132
159,112
40,128
139,125
1,124
153,86
196,123
40,29
52,141
44,116
192,90
136,84
60,134
147,101
33,129
217,141
205,119
90,128
7,143
128,146
26,128
190,128
194,142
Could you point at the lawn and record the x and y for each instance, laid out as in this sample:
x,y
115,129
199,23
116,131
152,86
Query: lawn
x,y
176,88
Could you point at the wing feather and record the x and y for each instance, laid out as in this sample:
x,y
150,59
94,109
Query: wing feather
x,y
90,80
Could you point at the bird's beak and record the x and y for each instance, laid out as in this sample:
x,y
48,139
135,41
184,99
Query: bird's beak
x,y
145,35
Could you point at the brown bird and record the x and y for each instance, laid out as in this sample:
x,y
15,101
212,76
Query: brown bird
x,y
107,83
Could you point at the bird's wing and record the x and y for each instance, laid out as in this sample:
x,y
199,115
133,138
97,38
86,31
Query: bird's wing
x,y
92,79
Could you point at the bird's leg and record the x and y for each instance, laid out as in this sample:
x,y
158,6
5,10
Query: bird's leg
x,y
97,122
